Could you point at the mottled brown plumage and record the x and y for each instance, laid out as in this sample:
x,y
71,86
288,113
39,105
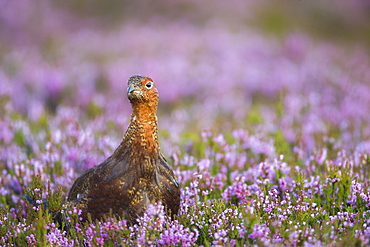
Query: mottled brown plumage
x,y
137,173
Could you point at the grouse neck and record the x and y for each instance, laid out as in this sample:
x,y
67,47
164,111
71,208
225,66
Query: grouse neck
x,y
142,140
144,124
143,130
144,113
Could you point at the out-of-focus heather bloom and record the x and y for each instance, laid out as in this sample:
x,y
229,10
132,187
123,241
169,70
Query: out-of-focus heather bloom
x,y
260,233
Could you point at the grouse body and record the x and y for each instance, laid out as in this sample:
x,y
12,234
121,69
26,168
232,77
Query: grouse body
x,y
137,173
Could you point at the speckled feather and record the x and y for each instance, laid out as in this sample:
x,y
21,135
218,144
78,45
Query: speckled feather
x,y
136,174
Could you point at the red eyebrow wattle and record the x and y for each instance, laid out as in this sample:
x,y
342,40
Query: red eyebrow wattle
x,y
147,80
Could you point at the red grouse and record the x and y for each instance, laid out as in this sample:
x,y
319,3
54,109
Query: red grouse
x,y
137,173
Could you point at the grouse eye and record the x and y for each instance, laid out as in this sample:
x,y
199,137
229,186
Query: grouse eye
x,y
149,85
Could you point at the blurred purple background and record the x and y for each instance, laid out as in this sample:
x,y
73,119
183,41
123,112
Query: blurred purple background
x,y
214,62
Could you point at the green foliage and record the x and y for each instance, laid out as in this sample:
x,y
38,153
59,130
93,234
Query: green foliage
x,y
282,145
19,138
93,110
254,116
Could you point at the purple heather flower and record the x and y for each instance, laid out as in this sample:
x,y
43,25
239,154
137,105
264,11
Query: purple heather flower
x,y
6,134
203,164
322,156
260,232
14,183
31,240
56,237
177,234
239,189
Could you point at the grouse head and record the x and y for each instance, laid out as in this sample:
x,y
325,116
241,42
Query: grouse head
x,y
141,90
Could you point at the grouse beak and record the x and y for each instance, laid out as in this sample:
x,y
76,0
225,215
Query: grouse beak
x,y
132,89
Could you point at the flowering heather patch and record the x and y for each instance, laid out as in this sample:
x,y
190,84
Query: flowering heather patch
x,y
269,138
